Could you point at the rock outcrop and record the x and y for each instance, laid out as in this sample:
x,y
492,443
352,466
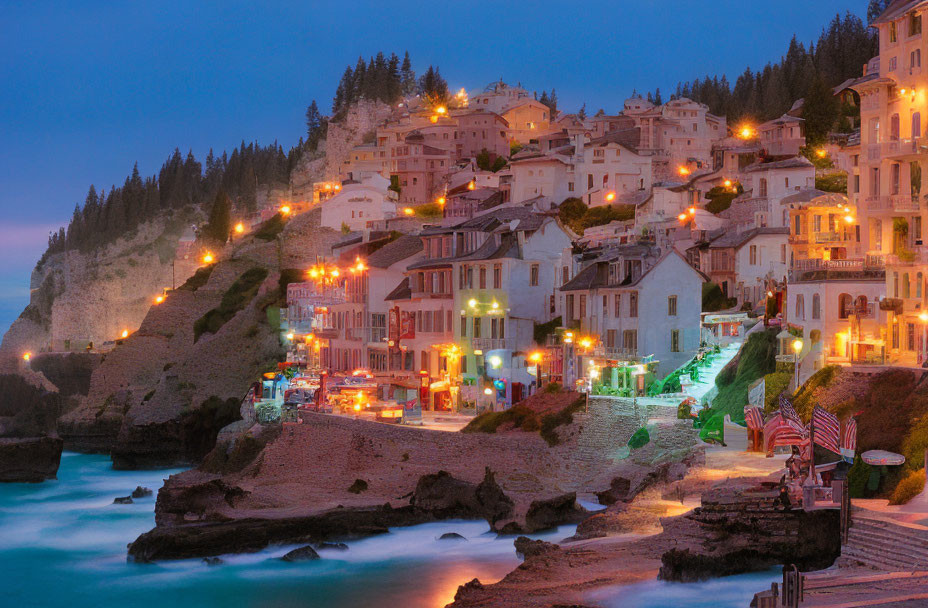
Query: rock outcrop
x,y
301,554
30,459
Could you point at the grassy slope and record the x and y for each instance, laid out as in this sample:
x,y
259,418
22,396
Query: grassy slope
x,y
756,359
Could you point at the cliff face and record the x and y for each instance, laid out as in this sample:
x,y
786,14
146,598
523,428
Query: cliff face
x,y
81,297
161,395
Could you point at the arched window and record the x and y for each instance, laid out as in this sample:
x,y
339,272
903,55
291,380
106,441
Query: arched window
x,y
894,127
816,306
906,289
800,307
844,305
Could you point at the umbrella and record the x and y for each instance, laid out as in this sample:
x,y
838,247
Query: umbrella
x,y
882,457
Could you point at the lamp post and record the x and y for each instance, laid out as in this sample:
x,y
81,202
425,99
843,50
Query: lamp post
x,y
797,348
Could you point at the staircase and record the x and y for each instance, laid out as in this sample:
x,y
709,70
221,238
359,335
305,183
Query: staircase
x,y
885,545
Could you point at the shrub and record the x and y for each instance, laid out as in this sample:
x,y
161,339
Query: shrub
x,y
908,488
553,387
543,330
234,299
429,210
358,486
774,384
833,182
806,398
713,300
269,230
199,278
857,478
915,443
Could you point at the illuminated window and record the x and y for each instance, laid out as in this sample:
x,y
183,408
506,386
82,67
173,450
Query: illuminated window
x,y
672,306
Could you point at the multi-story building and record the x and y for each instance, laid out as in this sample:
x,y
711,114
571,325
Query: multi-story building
x,y
481,130
782,136
527,119
891,174
766,185
745,264
639,303
357,204
497,96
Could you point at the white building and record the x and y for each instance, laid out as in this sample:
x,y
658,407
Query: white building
x,y
359,203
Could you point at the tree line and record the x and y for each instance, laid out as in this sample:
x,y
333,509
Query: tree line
x,y
802,73
182,181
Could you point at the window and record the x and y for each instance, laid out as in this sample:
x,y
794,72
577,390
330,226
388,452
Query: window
x,y
917,124
533,275
463,327
915,24
800,307
630,340
483,277
892,32
918,285
618,305
582,305
894,178
589,181
783,253
565,274
845,306
674,340
762,187
605,306
915,60
906,288
892,64
570,186
633,304
476,327
894,127
752,254
816,306
672,306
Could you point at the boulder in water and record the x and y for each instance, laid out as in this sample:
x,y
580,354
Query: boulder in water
x,y
526,547
122,500
140,492
331,546
451,536
302,554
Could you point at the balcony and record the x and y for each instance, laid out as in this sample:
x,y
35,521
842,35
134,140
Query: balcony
x,y
897,203
486,344
916,257
868,267
827,237
617,353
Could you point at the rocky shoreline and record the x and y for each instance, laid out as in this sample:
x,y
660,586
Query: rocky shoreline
x,y
29,459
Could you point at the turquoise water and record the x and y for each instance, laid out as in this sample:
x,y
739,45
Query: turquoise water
x,y
63,543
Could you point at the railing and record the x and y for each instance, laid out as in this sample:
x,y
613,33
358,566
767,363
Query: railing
x,y
493,343
615,352
901,203
827,237
911,258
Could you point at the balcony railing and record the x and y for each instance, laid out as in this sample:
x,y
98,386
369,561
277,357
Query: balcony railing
x,y
827,237
900,203
914,257
493,343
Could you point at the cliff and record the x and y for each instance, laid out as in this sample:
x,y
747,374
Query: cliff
x,y
161,395
92,297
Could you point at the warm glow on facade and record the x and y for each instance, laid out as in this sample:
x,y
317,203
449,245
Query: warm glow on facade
x,y
240,228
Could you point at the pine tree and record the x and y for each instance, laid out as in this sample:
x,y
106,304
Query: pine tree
x,y
581,114
315,126
219,225
433,87
407,76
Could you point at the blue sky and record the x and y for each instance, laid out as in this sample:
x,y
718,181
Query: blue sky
x,y
89,88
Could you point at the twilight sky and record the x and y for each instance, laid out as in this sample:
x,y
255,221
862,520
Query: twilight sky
x,y
88,88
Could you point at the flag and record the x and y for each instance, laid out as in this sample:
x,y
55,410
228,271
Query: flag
x,y
849,439
826,429
788,411
754,418
778,431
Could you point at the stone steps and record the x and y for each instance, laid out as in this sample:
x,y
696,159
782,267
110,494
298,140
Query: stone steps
x,y
885,545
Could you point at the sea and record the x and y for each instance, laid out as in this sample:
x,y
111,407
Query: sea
x,y
63,543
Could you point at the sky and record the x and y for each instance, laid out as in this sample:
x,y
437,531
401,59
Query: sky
x,y
89,88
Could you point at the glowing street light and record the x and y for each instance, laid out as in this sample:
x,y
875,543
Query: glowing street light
x,y
409,211
727,183
488,391
290,336
285,210
440,200
797,348
472,303
610,196
159,299
27,355
821,152
692,210
240,228
125,333
442,110
472,185
682,217
208,258
683,171
494,305
495,361
536,356
849,219
586,342
746,131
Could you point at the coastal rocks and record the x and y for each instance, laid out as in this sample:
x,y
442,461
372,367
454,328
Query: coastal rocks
x,y
123,500
446,497
740,530
178,504
31,459
526,547
330,547
451,536
213,561
140,492
551,512
301,554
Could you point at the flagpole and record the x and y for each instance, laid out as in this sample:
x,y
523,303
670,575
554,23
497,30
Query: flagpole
x,y
812,446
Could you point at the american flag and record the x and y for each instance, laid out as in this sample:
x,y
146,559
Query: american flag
x,y
849,438
826,429
786,408
778,432
754,418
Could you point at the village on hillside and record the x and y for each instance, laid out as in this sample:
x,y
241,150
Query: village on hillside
x,y
474,304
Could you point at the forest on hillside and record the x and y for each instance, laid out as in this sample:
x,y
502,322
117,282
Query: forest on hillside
x,y
810,74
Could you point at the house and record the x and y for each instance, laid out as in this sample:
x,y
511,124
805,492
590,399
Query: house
x,y
537,174
481,130
497,96
527,119
358,203
782,136
639,303
765,186
743,264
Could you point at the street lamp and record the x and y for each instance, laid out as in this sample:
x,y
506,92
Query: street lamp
x,y
797,348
